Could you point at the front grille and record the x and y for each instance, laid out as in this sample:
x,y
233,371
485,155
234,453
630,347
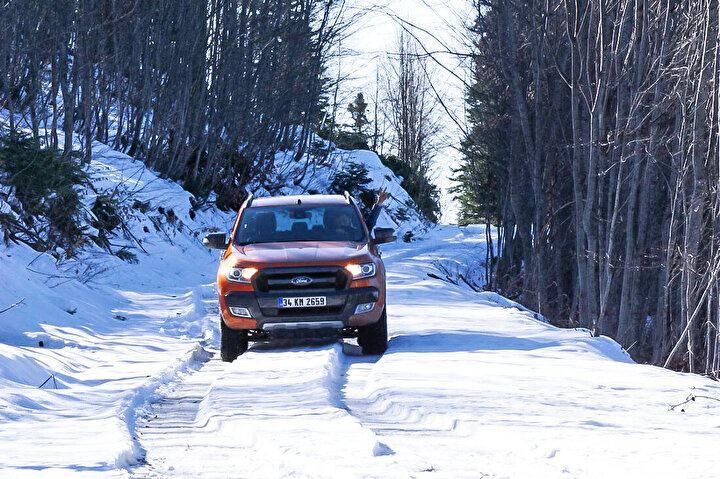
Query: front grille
x,y
280,280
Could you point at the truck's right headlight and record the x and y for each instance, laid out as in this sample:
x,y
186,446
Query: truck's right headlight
x,y
360,271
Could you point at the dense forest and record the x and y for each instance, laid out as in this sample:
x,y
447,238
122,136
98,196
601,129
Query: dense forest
x,y
204,92
592,138
593,145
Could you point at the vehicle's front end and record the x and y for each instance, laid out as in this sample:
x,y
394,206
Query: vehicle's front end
x,y
301,300
281,280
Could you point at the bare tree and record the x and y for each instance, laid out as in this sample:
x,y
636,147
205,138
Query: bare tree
x,y
205,93
410,107
598,121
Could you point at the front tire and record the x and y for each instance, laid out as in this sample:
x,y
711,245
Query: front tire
x,y
233,342
373,338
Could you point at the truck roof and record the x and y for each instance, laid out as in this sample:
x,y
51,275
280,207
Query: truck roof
x,y
304,199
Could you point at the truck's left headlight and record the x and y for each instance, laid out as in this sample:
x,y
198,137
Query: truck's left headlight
x,y
240,275
360,271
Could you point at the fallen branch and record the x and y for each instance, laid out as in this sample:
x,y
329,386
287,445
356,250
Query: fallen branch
x,y
471,286
14,305
127,231
691,398
449,277
52,376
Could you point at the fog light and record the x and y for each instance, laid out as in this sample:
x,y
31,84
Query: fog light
x,y
242,312
364,308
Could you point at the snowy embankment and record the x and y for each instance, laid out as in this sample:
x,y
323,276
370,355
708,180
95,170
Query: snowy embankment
x,y
399,210
85,344
101,334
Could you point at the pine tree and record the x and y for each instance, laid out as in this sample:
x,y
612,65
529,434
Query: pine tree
x,y
352,136
358,112
477,176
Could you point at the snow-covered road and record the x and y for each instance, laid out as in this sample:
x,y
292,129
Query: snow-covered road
x,y
469,387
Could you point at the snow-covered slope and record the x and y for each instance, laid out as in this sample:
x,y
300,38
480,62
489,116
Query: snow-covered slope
x,y
99,333
300,177
158,228
86,342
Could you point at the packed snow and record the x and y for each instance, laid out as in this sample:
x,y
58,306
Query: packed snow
x,y
472,385
469,387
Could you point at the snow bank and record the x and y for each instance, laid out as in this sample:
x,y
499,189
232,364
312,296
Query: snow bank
x,y
100,334
400,211
103,335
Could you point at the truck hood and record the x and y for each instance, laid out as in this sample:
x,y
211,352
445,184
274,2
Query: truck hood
x,y
301,253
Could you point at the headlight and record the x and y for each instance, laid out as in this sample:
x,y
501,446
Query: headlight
x,y
360,271
240,275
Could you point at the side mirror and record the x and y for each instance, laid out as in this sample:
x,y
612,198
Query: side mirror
x,y
215,241
384,235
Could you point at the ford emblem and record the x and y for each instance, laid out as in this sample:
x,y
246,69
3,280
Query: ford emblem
x,y
301,280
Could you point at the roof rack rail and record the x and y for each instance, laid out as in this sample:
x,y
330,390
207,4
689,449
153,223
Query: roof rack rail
x,y
249,200
347,196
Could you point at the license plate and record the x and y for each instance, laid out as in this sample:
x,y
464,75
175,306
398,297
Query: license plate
x,y
303,302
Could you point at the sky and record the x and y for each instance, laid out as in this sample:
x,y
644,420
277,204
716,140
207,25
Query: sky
x,y
374,36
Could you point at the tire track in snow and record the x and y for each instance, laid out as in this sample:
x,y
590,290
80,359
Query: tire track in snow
x,y
342,359
339,364
193,411
269,384
373,404
135,406
392,421
266,415
175,410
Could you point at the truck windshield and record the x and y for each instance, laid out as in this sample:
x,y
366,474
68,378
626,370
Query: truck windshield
x,y
273,224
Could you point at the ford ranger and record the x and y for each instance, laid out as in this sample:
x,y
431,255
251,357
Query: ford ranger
x,y
301,267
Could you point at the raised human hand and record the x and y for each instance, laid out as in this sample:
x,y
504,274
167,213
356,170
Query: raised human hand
x,y
382,196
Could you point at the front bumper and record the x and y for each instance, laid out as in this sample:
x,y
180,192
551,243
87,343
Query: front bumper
x,y
339,313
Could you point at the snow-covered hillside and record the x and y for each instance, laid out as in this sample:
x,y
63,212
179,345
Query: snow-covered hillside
x,y
97,332
471,385
399,212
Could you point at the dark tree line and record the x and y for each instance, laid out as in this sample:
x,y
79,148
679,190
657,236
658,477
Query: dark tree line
x,y
593,145
203,91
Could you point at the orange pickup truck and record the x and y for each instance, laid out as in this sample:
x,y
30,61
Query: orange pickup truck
x,y
301,267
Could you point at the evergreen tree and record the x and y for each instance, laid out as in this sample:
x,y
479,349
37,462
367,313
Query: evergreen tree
x,y
358,112
477,176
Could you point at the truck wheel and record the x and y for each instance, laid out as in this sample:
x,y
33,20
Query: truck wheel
x,y
232,342
373,337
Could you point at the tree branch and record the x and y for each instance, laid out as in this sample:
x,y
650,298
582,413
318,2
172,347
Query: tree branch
x,y
14,305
